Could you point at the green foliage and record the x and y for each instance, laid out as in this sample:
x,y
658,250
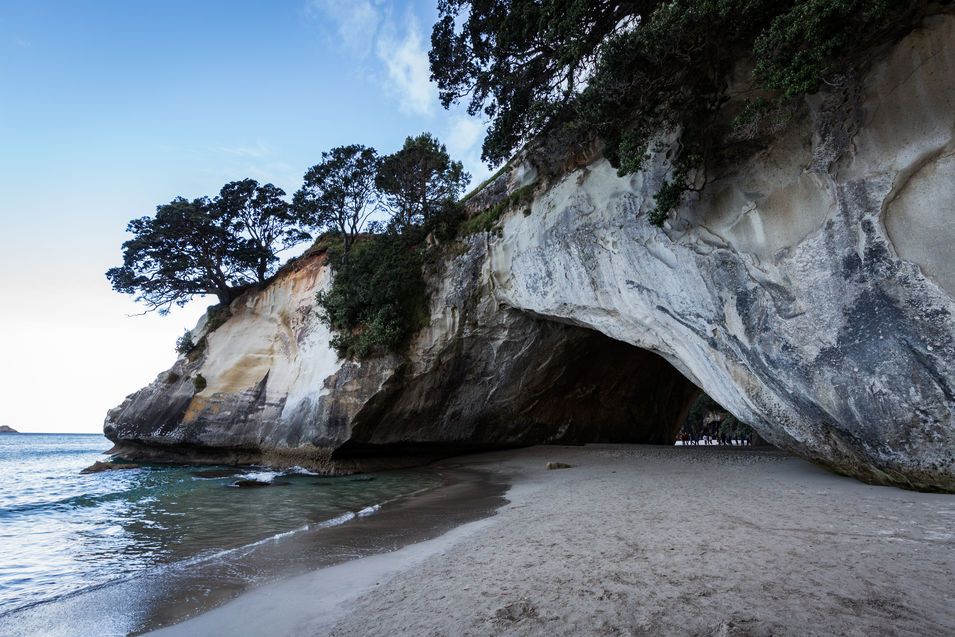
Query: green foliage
x,y
671,192
640,72
486,220
377,296
815,38
728,424
417,182
217,316
734,428
184,343
339,192
199,383
189,248
264,221
204,246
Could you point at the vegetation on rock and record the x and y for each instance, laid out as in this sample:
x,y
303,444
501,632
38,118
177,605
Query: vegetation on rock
x,y
339,192
217,247
377,297
643,75
417,182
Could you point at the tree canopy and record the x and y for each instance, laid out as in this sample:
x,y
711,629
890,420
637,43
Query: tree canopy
x,y
419,180
637,72
261,215
339,192
221,246
188,248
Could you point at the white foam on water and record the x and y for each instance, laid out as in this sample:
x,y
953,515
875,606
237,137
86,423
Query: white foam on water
x,y
205,557
369,510
259,476
301,471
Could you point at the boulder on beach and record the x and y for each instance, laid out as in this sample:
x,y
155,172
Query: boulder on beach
x,y
557,465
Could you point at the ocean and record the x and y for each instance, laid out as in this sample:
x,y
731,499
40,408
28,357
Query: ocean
x,y
68,540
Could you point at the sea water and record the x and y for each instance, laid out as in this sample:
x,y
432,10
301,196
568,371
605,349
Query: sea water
x,y
63,533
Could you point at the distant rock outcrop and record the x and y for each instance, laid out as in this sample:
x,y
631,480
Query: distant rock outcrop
x,y
808,289
4,429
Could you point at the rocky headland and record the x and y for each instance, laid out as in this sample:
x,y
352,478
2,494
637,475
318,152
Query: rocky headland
x,y
808,288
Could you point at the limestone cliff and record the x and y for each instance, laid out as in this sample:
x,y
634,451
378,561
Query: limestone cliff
x,y
808,289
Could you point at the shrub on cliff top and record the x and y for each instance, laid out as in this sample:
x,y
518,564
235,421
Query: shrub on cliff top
x,y
184,343
377,297
632,72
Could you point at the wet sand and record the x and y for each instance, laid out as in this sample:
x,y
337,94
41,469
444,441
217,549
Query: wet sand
x,y
641,541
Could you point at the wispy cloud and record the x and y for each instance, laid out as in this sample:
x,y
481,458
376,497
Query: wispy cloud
x,y
354,22
463,137
370,32
406,61
250,151
463,133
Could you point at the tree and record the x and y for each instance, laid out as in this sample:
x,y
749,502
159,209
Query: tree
x,y
419,180
521,61
378,299
339,192
635,73
189,248
263,217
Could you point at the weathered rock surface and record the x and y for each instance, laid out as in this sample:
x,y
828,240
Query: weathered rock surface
x,y
808,289
479,376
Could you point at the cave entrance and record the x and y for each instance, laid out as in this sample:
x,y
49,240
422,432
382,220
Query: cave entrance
x,y
605,390
707,423
525,380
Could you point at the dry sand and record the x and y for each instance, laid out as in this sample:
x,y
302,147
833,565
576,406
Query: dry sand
x,y
642,541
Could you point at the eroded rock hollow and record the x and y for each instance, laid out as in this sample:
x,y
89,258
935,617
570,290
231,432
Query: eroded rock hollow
x,y
808,289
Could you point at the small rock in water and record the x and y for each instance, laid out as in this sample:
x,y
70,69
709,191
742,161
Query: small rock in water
x,y
98,466
558,465
361,479
253,484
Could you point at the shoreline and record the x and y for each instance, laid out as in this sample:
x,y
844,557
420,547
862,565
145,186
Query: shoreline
x,y
176,592
638,540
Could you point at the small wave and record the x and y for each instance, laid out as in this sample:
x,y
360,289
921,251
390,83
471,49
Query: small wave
x,y
240,551
369,510
259,476
302,471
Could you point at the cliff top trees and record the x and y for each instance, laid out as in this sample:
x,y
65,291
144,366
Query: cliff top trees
x,y
206,247
224,245
188,248
339,192
263,217
633,71
520,61
419,180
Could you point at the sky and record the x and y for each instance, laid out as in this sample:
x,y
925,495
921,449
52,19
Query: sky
x,y
110,107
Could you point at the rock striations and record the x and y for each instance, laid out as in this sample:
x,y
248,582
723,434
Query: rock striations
x,y
808,289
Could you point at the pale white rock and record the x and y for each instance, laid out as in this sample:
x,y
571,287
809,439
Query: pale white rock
x,y
808,289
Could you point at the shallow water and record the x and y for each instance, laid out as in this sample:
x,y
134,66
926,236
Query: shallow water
x,y
62,533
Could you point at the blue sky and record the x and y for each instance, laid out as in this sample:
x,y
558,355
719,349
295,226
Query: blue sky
x,y
108,108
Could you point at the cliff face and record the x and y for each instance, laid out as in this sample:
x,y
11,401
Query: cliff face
x,y
808,289
479,376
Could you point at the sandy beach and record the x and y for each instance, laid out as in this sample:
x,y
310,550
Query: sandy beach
x,y
641,541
